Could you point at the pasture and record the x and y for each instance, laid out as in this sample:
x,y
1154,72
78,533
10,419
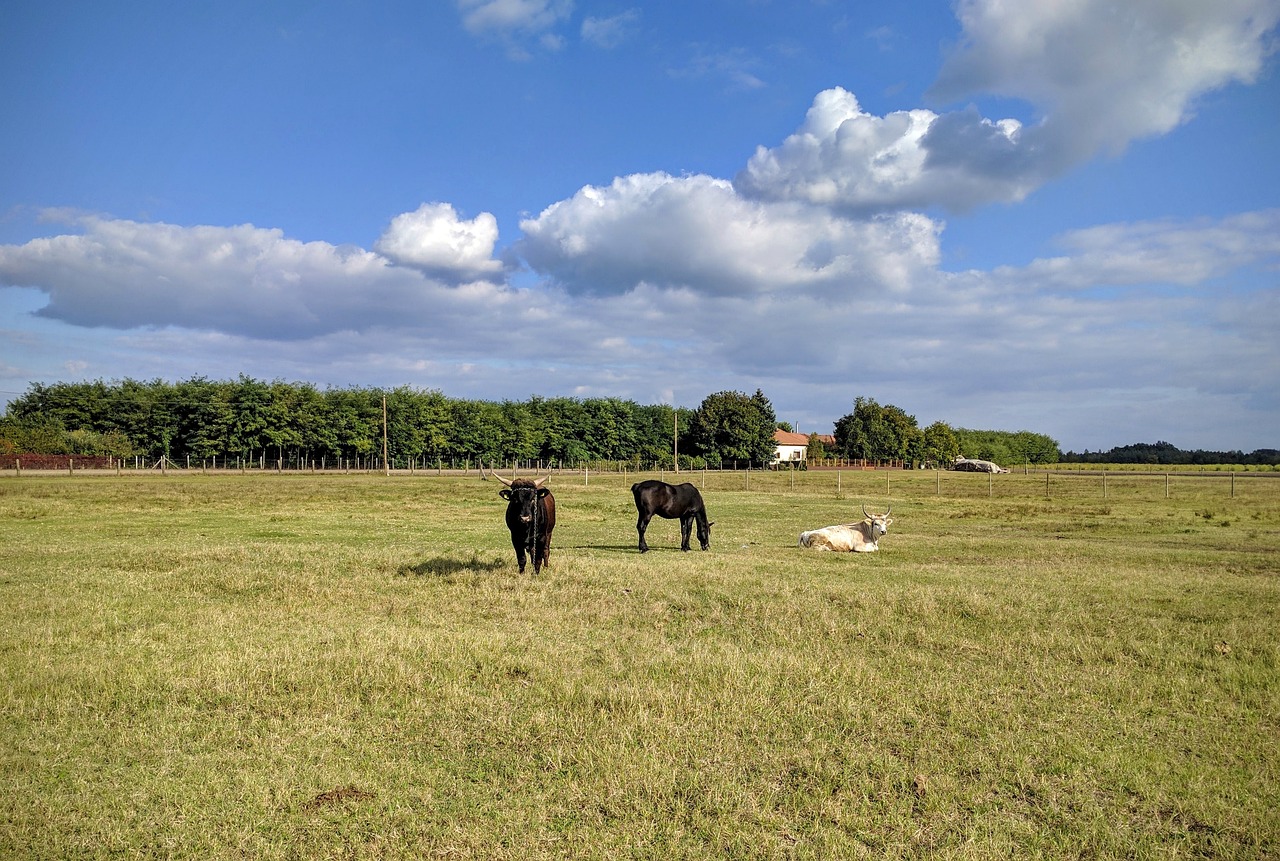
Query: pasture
x,y
349,666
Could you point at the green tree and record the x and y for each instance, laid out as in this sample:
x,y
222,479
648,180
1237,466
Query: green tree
x,y
205,417
417,424
32,434
477,426
1006,447
560,426
732,426
875,432
355,421
939,444
817,449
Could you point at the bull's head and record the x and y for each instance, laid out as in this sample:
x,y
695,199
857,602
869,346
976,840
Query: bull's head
x,y
879,522
522,493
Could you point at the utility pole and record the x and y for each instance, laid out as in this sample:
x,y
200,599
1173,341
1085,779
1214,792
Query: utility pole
x,y
386,465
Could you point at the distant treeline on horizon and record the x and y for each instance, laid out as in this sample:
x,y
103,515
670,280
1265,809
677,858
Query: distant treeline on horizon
x,y
297,423
1167,454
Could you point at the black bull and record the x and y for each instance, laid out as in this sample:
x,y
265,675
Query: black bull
x,y
531,517
671,501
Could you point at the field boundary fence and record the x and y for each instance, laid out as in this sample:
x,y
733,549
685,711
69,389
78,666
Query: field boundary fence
x,y
866,482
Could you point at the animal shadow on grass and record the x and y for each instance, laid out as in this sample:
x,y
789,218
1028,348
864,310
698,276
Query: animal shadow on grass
x,y
447,567
613,548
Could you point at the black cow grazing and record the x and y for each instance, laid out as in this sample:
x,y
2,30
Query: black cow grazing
x,y
531,517
671,501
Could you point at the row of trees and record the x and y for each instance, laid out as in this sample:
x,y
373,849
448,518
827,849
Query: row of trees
x,y
297,423
1165,453
247,420
876,432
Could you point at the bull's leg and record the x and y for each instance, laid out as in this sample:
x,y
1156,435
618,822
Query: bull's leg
x,y
541,556
519,546
686,528
641,525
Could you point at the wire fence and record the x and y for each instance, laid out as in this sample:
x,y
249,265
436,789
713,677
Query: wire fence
x,y
869,482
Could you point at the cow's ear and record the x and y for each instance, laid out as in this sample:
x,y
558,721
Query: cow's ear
x,y
887,521
543,492
505,493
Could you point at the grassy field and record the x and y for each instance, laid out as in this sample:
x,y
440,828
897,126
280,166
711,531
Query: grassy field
x,y
339,666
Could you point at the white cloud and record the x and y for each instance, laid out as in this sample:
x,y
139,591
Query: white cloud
x,y
1167,253
241,280
849,160
697,232
513,22
1101,74
676,287
733,65
510,16
434,240
1107,73
611,31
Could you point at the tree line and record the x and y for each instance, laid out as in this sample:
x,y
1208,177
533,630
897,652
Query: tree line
x,y
1167,454
886,432
248,420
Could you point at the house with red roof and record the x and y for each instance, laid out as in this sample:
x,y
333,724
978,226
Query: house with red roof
x,y
791,447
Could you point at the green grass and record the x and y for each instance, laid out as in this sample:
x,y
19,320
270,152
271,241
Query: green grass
x,y
350,667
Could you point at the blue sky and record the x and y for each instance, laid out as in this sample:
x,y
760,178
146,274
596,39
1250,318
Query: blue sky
x,y
1059,217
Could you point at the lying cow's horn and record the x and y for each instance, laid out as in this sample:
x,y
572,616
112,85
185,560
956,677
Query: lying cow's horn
x,y
888,510
867,514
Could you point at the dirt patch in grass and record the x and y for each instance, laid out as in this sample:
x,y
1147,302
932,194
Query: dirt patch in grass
x,y
338,795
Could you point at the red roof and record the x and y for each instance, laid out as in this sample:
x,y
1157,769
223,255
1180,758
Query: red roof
x,y
782,437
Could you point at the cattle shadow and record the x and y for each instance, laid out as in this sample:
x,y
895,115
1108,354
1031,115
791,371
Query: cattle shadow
x,y
631,549
608,548
450,566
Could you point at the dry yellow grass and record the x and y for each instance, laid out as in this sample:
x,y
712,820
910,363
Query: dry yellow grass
x,y
350,667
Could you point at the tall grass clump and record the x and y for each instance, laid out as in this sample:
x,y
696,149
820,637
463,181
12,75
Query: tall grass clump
x,y
284,667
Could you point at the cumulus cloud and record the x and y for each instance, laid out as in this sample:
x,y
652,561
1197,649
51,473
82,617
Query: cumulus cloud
x,y
243,280
1106,73
849,160
698,233
434,240
1099,74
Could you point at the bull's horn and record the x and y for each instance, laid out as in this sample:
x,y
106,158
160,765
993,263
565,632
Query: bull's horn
x,y
539,482
495,475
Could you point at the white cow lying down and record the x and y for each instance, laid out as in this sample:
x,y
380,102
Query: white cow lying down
x,y
860,537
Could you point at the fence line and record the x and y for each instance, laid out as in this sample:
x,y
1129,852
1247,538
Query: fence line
x,y
1103,485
